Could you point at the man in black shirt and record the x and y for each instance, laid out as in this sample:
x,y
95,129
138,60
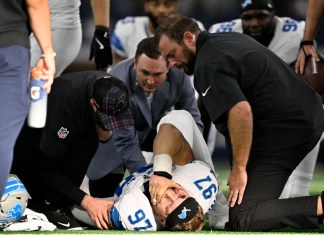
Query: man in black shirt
x,y
269,116
83,109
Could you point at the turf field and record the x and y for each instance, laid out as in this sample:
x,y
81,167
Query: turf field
x,y
316,187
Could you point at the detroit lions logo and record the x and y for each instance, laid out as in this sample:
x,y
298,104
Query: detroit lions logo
x,y
15,212
183,214
246,2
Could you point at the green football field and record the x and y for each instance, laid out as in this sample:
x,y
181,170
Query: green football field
x,y
316,187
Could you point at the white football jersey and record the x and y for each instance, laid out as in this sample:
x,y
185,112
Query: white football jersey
x,y
129,32
286,40
134,209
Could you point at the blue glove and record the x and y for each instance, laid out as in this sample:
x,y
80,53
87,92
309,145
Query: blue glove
x,y
100,48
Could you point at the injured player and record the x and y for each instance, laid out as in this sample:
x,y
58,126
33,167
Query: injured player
x,y
181,154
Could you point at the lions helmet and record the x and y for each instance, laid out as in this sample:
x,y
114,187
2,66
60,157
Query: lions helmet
x,y
13,201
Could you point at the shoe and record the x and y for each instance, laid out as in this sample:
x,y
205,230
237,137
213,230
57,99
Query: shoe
x,y
63,219
218,215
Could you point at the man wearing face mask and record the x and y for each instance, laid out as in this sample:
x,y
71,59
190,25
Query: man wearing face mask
x,y
84,108
131,30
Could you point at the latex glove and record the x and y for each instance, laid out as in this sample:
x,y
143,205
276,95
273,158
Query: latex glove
x,y
100,48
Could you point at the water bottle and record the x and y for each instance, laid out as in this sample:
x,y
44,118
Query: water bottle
x,y
38,107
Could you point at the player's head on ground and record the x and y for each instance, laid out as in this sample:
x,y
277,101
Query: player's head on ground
x,y
258,20
176,38
151,67
110,103
178,211
157,10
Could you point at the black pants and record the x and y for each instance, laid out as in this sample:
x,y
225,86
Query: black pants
x,y
26,164
261,210
27,161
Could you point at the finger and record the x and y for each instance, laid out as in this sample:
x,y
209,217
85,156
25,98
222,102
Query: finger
x,y
240,198
98,224
175,185
103,224
233,199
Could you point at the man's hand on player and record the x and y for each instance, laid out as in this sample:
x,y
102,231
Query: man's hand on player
x,y
98,210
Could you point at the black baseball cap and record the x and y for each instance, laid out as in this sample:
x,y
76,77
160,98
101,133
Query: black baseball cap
x,y
257,4
110,95
185,212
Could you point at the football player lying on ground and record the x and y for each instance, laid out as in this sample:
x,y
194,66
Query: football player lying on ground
x,y
180,153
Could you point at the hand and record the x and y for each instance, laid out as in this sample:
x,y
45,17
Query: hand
x,y
47,63
100,48
236,183
98,210
305,51
158,186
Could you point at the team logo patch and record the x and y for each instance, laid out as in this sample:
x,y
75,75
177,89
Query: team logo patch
x,y
62,133
183,214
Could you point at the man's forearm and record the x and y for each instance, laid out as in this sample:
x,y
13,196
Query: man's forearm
x,y
101,12
240,126
314,16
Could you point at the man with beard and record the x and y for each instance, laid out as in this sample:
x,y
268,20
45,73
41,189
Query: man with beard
x,y
84,108
154,91
282,35
131,30
270,117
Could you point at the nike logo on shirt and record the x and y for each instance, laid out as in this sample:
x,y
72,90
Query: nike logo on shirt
x,y
205,93
100,44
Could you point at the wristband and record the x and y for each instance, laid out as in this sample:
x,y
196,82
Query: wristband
x,y
162,163
306,42
49,55
163,174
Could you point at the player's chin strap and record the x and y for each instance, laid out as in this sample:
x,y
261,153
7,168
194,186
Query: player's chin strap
x,y
162,165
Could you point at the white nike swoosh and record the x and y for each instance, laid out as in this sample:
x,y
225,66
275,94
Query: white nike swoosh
x,y
100,44
65,225
205,93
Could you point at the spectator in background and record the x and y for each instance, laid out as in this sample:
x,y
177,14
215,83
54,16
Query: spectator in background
x,y
131,30
17,17
67,34
282,35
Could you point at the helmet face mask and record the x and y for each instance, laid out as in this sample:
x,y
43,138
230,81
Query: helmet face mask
x,y
13,202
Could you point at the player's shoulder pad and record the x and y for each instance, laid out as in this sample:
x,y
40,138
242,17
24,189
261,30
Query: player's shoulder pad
x,y
135,212
228,26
